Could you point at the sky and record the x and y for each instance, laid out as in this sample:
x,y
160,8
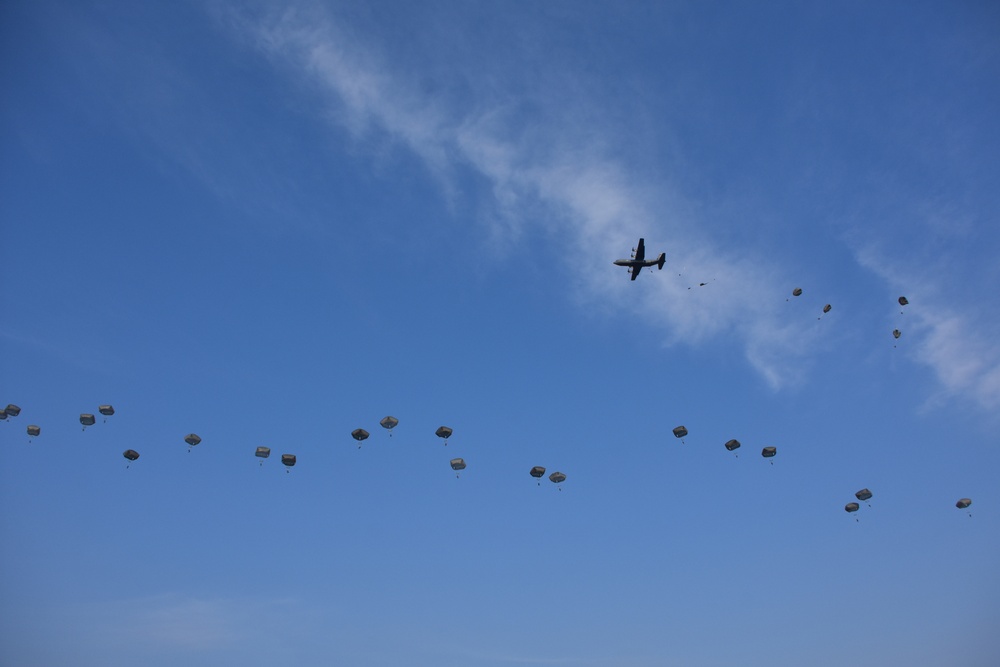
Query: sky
x,y
270,224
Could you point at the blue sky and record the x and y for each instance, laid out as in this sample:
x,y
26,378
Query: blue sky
x,y
272,224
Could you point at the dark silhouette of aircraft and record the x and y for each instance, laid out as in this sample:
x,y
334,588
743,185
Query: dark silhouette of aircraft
x,y
639,259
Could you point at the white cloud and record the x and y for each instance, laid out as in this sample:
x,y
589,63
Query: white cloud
x,y
957,346
557,169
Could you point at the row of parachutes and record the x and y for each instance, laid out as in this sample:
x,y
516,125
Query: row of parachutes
x,y
444,432
896,333
289,460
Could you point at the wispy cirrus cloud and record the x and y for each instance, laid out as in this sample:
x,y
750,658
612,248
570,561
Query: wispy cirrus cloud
x,y
956,345
554,169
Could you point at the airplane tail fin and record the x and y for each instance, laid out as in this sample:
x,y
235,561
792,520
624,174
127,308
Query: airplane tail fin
x,y
662,258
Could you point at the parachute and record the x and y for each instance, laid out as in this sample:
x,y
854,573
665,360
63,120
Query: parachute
x,y
87,420
262,453
733,445
769,452
359,434
131,455
680,432
963,504
191,439
443,432
851,508
797,291
106,410
33,431
557,478
288,460
12,410
863,494
826,309
896,333
457,465
537,472
389,423
902,302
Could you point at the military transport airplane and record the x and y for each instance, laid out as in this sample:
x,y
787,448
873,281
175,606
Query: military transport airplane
x,y
639,259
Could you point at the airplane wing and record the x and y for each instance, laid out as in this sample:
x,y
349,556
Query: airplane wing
x,y
635,270
640,250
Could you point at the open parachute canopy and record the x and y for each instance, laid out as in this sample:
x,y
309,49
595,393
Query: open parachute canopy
x,y
768,452
288,459
12,410
680,432
797,291
131,454
851,507
457,464
964,503
389,422
732,444
87,419
557,478
903,301
262,452
863,494
192,439
106,410
443,432
359,434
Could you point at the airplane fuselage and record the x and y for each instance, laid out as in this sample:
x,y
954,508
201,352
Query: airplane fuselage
x,y
633,263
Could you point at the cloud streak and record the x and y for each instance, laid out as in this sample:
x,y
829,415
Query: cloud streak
x,y
956,346
560,170
559,175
